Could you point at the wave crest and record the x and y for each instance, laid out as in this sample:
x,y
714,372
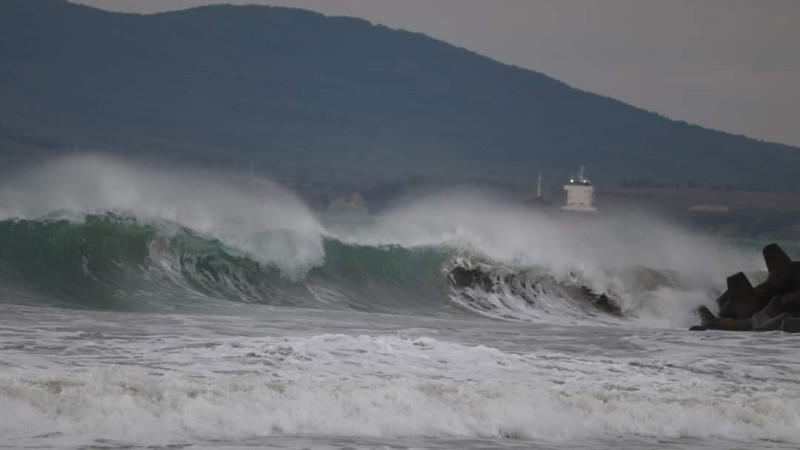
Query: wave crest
x,y
96,232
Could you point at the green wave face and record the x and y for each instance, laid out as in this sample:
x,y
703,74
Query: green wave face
x,y
76,263
116,262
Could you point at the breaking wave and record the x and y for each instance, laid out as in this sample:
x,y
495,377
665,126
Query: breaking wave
x,y
118,262
93,232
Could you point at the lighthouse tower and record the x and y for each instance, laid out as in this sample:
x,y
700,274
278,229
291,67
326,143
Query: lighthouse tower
x,y
580,194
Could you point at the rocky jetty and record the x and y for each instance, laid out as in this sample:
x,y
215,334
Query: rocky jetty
x,y
769,306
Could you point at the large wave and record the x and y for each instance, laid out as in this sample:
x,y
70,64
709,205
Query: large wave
x,y
233,209
119,262
96,232
529,264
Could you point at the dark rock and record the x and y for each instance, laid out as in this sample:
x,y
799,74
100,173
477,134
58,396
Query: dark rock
x,y
772,310
794,274
709,321
784,275
791,303
791,325
772,305
741,301
735,324
707,318
772,324
723,299
777,311
775,258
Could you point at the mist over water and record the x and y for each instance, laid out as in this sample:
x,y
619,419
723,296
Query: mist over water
x,y
254,319
602,252
252,215
655,270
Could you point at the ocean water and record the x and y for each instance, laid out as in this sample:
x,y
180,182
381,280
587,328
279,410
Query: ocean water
x,y
151,308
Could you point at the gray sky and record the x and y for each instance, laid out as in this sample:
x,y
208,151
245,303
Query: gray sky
x,y
732,65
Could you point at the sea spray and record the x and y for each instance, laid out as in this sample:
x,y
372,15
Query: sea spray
x,y
250,214
615,254
360,336
102,232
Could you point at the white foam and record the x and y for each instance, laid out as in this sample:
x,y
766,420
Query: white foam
x,y
252,215
172,389
598,251
273,227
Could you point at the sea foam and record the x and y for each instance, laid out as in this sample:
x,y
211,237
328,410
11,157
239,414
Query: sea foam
x,y
389,386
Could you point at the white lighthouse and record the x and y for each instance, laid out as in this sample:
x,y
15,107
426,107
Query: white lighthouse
x,y
580,194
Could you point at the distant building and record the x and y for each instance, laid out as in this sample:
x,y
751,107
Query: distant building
x,y
580,194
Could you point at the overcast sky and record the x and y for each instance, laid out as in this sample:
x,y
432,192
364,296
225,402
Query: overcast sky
x,y
732,65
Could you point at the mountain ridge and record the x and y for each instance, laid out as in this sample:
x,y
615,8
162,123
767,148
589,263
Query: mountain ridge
x,y
296,90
